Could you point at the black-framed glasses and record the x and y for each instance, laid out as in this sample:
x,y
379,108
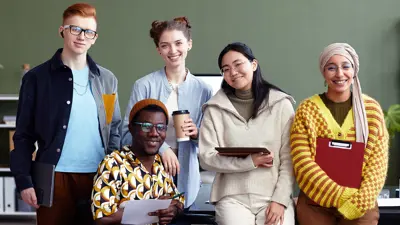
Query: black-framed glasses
x,y
75,30
146,127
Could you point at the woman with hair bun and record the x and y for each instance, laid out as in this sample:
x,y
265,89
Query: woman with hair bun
x,y
178,89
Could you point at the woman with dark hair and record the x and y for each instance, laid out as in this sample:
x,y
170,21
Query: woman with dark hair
x,y
178,89
248,112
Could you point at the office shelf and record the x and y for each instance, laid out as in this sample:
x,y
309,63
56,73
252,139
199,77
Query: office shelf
x,y
8,97
7,126
24,214
5,169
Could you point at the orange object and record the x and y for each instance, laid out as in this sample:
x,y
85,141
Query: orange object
x,y
109,102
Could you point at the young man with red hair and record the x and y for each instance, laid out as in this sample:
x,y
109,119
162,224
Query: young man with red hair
x,y
69,106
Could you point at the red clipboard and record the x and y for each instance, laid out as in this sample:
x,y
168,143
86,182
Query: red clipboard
x,y
341,160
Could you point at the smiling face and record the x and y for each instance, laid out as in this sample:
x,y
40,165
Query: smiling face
x,y
173,47
78,44
149,142
238,70
338,74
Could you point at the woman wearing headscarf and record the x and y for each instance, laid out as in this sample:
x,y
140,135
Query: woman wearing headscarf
x,y
341,113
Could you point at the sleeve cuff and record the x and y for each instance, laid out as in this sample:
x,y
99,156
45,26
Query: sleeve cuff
x,y
163,148
23,182
285,201
346,195
350,211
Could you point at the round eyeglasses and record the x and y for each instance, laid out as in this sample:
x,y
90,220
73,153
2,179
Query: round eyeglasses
x,y
75,30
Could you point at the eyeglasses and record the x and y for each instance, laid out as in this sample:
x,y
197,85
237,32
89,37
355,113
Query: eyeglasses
x,y
75,30
226,70
146,127
332,68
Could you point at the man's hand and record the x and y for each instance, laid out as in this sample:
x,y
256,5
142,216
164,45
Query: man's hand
x,y
274,214
166,215
170,162
29,197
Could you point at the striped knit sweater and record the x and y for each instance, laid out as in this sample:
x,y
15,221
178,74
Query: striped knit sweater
x,y
313,120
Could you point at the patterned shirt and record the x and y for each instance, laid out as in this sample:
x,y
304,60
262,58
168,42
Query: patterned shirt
x,y
122,177
313,120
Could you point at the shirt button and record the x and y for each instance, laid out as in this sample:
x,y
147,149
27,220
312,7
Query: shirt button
x,y
65,127
58,150
70,79
68,102
339,134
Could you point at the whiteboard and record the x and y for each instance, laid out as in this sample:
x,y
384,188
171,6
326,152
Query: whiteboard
x,y
214,80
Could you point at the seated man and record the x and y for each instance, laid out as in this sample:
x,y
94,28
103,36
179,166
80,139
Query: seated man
x,y
136,172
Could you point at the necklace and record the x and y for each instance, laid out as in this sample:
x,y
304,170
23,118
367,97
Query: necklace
x,y
174,87
86,88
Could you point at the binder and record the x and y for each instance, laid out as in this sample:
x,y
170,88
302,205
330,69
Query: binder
x,y
9,195
1,195
341,160
43,182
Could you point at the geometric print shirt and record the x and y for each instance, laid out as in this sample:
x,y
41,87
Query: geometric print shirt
x,y
122,177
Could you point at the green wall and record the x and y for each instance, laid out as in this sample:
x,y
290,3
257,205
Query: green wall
x,y
286,37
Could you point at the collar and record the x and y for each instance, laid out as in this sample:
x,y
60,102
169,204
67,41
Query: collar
x,y
135,160
57,63
164,78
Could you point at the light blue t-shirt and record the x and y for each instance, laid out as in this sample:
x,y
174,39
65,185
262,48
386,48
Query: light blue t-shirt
x,y
83,149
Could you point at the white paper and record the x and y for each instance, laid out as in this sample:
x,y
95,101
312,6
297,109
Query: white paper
x,y
388,202
136,211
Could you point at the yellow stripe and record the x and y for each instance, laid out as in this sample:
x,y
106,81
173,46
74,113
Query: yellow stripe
x,y
329,193
310,177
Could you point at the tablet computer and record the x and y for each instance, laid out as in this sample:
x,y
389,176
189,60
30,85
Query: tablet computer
x,y
241,151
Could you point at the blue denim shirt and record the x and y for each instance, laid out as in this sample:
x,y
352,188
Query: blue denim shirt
x,y
44,108
192,94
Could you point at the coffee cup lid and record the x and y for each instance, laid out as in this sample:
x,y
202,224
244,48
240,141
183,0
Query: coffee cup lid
x,y
177,112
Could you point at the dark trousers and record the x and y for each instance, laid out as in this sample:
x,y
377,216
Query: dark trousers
x,y
71,202
310,214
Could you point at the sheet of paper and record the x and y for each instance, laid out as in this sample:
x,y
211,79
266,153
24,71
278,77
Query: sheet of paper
x,y
136,211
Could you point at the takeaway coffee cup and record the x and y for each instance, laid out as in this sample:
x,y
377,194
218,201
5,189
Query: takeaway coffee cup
x,y
179,117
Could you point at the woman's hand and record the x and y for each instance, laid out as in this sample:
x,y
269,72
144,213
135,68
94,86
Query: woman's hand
x,y
190,129
263,160
274,214
170,161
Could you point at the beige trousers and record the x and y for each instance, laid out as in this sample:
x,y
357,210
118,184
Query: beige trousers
x,y
247,209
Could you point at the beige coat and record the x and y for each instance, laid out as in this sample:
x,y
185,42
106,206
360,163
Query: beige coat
x,y
222,126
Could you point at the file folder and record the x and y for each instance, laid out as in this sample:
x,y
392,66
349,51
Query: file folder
x,y
43,182
1,195
9,195
341,160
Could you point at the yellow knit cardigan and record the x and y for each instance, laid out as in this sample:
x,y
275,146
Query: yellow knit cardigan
x,y
313,120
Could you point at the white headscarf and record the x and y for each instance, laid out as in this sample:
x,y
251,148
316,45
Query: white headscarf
x,y
360,116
